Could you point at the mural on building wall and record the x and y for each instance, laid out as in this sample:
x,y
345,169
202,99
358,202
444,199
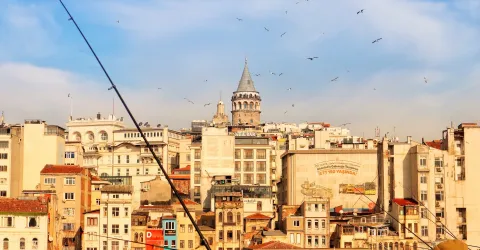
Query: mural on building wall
x,y
313,190
367,188
337,167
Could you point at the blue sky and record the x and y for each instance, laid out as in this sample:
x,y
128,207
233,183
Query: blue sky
x,y
177,45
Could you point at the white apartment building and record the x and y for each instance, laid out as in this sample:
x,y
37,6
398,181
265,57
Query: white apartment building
x,y
23,223
91,231
115,217
5,161
114,150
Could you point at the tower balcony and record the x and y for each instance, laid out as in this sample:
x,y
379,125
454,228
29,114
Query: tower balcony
x,y
246,97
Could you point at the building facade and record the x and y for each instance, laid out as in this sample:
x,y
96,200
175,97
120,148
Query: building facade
x,y
5,160
229,221
169,225
23,223
246,101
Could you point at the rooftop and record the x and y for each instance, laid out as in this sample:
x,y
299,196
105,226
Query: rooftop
x,y
257,216
21,206
274,245
206,228
117,189
61,169
246,83
405,202
187,202
434,144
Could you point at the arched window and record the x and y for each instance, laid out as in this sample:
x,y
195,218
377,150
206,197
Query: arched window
x,y
239,105
22,243
230,217
5,244
77,136
239,218
104,175
220,217
415,247
35,243
32,222
245,105
135,238
141,237
256,105
234,106
103,136
259,206
251,121
90,136
251,105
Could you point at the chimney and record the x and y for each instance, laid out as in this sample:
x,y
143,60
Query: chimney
x,y
99,116
409,139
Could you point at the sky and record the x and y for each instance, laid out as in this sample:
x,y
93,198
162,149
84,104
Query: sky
x,y
196,49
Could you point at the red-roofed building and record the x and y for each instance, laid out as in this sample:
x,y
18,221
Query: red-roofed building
x,y
406,212
72,186
25,218
274,245
256,222
434,144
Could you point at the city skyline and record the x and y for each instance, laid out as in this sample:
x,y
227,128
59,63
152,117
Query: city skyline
x,y
199,54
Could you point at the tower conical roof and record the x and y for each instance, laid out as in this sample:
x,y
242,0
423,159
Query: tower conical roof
x,y
246,82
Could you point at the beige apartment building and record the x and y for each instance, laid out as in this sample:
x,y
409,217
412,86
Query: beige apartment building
x,y
5,160
344,175
72,187
187,237
229,220
114,150
435,174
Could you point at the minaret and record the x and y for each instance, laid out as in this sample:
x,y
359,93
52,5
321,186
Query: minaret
x,y
220,118
246,101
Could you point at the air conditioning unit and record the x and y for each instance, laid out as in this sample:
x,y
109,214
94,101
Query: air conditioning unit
x,y
145,189
437,204
439,186
438,218
439,170
439,236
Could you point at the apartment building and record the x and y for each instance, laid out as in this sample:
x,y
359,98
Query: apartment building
x,y
169,225
5,160
139,230
72,186
24,223
115,150
91,239
229,221
115,217
187,237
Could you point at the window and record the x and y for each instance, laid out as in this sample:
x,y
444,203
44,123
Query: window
x,y
309,240
34,243
315,206
316,241
105,228
323,223
165,243
3,144
49,180
126,212
115,229
104,136
261,154
173,244
259,206
70,155
238,153
125,228
68,226
138,171
97,201
439,195
115,245
5,244
323,207
146,170
423,162
298,239
324,240
69,211
170,225
105,246
92,221
127,158
190,243
220,217
296,223
220,235
440,229
3,193
69,180
118,159
415,228
182,228
423,213
3,168
248,153
438,162
127,172
115,196
105,211
182,244
261,179
424,231
316,224
141,237
190,228
292,238
423,179
22,243
119,172
115,211
440,213
423,195
198,154
309,224
69,196
239,218
3,156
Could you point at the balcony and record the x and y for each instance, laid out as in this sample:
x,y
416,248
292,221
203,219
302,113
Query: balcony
x,y
274,177
228,204
438,170
274,188
439,186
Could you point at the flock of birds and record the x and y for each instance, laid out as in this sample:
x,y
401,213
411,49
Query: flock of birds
x,y
335,79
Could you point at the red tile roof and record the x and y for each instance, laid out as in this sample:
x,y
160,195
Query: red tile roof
x,y
179,176
274,245
434,144
257,216
405,202
61,169
16,206
187,168
96,178
187,202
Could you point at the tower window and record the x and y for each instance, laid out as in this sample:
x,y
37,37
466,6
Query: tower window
x,y
245,105
251,121
251,105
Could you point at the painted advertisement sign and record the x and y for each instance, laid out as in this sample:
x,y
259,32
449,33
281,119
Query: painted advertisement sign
x,y
337,167
367,188
154,239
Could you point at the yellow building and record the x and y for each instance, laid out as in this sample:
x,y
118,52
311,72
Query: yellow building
x,y
229,220
139,230
187,237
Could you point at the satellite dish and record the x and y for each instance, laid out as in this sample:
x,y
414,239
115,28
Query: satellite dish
x,y
341,211
140,124
159,125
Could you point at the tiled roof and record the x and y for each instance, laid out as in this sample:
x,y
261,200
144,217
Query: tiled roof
x,y
96,178
117,189
187,202
20,206
187,168
274,245
405,202
61,169
434,144
179,176
258,216
246,83
249,235
206,228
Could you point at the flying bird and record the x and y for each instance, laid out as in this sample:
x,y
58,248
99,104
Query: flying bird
x,y
360,11
297,3
311,58
257,74
334,79
68,94
285,112
188,100
280,74
266,29
289,89
283,34
272,73
286,12
374,89
110,88
239,19
70,19
159,88
293,105
345,124
377,40
425,79
204,105
206,81
118,21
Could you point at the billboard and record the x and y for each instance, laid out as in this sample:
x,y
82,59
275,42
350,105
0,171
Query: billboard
x,y
154,239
